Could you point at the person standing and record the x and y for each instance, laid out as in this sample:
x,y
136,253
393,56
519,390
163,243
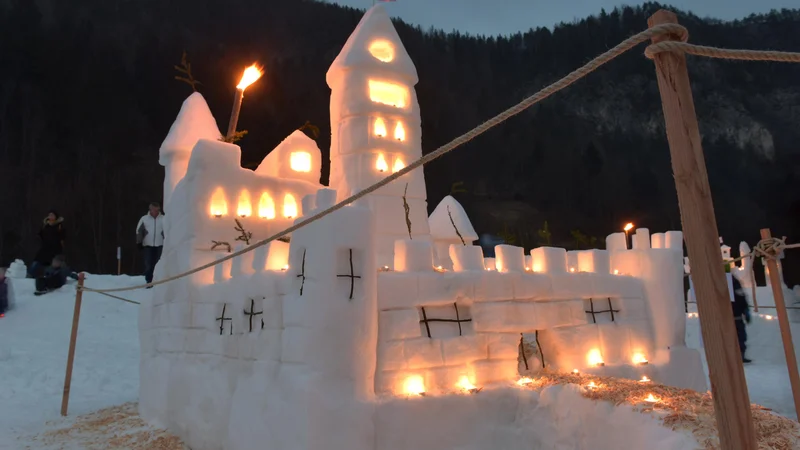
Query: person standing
x,y
52,235
741,313
150,236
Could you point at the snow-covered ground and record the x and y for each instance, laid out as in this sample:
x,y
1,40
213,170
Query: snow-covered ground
x,y
34,339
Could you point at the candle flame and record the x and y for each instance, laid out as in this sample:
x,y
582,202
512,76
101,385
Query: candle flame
x,y
591,385
380,127
250,76
465,384
575,371
381,164
594,358
219,206
399,132
266,207
289,206
244,209
524,381
398,165
650,398
414,385
639,358
644,379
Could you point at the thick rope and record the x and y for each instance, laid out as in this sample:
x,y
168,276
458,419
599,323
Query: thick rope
x,y
721,53
571,78
111,295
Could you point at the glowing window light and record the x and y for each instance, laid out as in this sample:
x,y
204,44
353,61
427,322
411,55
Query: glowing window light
x,y
289,206
266,207
381,164
594,358
398,165
467,385
380,128
388,93
244,208
638,358
219,206
399,132
300,161
382,50
414,385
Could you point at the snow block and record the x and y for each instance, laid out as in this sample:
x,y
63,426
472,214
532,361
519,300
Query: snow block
x,y
413,256
595,261
615,343
552,314
466,258
495,371
501,345
491,285
532,286
641,240
616,242
506,317
391,356
462,350
397,290
399,324
573,285
445,288
423,353
509,258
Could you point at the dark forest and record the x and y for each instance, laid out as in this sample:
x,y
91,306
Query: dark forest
x,y
87,94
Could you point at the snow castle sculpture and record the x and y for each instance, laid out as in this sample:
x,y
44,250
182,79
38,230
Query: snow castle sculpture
x,y
289,344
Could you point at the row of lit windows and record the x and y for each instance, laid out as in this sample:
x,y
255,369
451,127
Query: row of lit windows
x,y
244,207
379,130
383,166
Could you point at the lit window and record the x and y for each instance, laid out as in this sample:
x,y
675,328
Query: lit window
x,y
382,50
289,206
398,165
300,161
381,164
244,209
388,93
219,206
380,128
400,132
266,207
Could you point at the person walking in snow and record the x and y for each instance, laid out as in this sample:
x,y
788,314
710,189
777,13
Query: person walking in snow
x,y
52,235
741,314
54,276
150,237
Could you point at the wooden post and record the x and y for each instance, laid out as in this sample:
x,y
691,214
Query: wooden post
x,y
119,261
783,321
76,315
728,384
753,281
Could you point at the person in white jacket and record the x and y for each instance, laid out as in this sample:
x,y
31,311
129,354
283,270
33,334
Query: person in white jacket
x,y
150,237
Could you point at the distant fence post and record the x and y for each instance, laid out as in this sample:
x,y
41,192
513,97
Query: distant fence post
x,y
728,384
119,260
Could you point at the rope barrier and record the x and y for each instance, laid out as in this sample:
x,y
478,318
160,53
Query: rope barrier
x,y
674,29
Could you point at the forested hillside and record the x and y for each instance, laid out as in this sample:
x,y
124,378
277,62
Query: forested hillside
x,y
87,94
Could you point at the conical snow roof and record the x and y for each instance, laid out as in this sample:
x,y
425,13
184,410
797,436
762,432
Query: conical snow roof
x,y
374,45
194,122
442,227
297,140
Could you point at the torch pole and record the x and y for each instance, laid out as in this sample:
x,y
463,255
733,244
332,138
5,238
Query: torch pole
x,y
237,106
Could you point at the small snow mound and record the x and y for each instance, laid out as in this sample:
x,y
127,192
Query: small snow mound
x,y
447,213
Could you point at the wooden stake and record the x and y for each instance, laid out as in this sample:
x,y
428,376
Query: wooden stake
x,y
783,321
753,281
728,385
76,315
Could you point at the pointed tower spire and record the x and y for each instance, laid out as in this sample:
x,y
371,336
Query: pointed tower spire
x,y
194,122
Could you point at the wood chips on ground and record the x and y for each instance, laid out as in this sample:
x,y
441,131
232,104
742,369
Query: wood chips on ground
x,y
678,408
118,427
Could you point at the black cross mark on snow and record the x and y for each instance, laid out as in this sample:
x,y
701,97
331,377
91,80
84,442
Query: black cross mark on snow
x,y
222,320
457,320
594,313
302,274
252,313
352,275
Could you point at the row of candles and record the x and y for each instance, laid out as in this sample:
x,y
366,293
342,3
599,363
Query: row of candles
x,y
763,316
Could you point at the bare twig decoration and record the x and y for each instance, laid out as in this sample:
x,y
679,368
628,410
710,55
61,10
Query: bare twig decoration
x,y
454,226
408,210
220,244
186,69
245,235
235,137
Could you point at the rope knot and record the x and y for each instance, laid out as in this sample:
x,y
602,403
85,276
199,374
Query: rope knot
x,y
770,248
667,46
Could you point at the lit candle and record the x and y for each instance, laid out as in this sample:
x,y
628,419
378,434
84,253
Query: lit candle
x,y
250,76
651,399
644,379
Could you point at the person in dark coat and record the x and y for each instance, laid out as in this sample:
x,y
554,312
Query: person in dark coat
x,y
3,293
52,235
741,314
54,276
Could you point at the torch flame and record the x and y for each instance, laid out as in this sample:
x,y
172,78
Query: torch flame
x,y
628,226
250,76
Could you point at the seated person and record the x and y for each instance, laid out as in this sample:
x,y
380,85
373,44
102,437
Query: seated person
x,y
54,276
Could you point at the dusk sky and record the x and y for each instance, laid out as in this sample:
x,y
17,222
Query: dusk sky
x,y
509,16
